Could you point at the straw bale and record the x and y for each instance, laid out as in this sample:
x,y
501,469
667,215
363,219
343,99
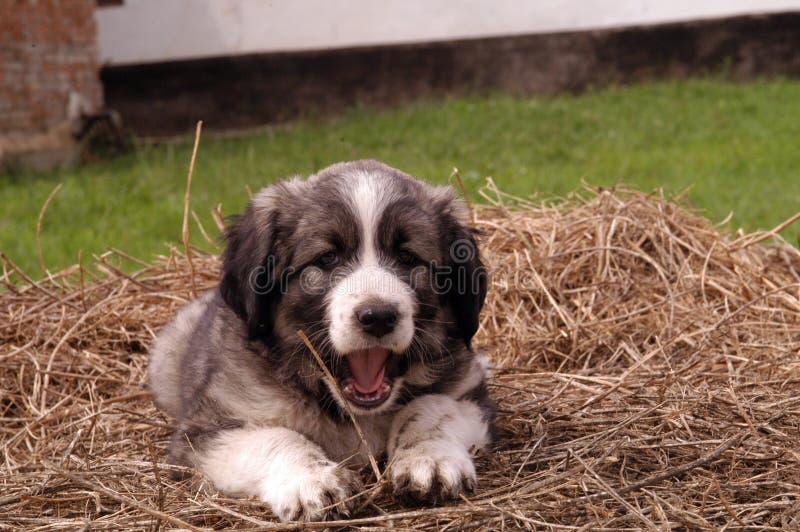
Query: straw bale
x,y
647,377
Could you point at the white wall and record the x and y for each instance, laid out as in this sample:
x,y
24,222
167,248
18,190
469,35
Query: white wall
x,y
156,30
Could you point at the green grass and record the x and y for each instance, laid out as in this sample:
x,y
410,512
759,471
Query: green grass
x,y
738,146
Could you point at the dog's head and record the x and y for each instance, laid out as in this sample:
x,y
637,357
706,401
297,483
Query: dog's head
x,y
379,269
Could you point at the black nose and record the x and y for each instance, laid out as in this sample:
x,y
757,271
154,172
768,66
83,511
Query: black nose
x,y
377,319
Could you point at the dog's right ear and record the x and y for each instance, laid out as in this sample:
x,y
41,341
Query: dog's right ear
x,y
250,283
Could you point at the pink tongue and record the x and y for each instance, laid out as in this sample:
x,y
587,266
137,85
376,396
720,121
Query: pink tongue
x,y
368,367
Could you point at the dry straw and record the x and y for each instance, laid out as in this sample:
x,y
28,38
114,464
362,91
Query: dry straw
x,y
647,376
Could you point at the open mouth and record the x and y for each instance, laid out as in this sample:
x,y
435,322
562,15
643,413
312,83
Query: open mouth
x,y
368,385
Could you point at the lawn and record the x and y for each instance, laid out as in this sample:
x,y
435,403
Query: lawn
x,y
736,145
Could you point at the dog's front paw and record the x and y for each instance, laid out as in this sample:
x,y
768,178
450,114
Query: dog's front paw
x,y
322,492
432,472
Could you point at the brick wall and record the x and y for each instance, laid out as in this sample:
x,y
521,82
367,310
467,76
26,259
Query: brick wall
x,y
48,64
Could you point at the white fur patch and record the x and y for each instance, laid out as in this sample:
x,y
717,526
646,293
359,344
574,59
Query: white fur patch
x,y
281,468
430,445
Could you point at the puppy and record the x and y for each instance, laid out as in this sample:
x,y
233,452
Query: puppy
x,y
383,274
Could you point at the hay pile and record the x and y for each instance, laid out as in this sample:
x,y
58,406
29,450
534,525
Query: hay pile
x,y
648,376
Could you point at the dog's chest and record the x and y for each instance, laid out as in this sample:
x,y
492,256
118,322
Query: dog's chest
x,y
265,405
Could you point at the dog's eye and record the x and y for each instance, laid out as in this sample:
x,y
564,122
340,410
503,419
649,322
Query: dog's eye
x,y
328,259
406,257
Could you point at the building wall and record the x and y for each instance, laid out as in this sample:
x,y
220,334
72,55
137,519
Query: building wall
x,y
48,71
243,91
147,31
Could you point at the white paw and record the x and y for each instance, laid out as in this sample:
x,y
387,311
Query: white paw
x,y
320,492
432,471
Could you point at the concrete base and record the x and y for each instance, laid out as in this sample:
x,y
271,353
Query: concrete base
x,y
39,151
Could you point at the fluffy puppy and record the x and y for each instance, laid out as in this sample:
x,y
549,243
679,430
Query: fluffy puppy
x,y
382,273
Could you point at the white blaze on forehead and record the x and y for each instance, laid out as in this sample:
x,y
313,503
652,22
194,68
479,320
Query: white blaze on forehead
x,y
369,194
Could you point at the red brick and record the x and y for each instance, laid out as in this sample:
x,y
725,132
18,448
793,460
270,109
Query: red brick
x,y
47,50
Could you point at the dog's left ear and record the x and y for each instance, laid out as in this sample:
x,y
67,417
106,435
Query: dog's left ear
x,y
467,278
